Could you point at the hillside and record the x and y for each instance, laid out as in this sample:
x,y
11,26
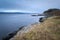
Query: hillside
x,y
52,12
47,30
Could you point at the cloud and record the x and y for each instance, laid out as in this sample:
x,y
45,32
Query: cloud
x,y
29,5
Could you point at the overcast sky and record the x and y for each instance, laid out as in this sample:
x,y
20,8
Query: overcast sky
x,y
37,6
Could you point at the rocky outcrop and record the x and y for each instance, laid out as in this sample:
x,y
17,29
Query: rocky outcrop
x,y
50,13
42,19
10,35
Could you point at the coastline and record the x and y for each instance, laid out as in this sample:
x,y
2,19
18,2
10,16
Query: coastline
x,y
22,28
12,34
38,30
48,29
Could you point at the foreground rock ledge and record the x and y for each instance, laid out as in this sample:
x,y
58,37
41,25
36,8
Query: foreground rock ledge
x,y
47,30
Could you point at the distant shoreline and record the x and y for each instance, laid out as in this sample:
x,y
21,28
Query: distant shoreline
x,y
38,15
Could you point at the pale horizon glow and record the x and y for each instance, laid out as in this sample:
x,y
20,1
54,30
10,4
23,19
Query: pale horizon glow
x,y
17,11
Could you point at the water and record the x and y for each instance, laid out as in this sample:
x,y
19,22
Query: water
x,y
11,22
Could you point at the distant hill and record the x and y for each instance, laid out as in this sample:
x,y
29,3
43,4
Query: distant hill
x,y
52,12
15,13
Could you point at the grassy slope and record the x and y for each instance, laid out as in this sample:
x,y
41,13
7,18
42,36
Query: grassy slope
x,y
48,30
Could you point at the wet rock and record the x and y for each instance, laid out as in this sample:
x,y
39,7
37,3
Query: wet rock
x,y
12,34
42,19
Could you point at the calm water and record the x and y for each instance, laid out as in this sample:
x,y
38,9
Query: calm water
x,y
11,22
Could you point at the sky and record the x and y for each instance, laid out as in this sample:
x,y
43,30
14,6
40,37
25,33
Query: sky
x,y
33,6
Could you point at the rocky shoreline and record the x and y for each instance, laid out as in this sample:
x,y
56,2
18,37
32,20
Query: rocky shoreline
x,y
48,29
10,35
22,28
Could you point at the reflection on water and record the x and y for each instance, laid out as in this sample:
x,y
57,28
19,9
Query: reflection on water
x,y
11,22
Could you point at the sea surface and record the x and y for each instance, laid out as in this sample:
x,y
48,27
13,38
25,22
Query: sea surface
x,y
12,22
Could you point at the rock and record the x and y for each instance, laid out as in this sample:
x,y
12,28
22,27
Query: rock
x,y
9,36
12,34
42,19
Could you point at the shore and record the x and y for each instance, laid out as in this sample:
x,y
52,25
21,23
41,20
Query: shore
x,y
10,35
47,30
21,29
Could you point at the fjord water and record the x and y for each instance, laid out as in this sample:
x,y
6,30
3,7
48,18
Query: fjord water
x,y
12,22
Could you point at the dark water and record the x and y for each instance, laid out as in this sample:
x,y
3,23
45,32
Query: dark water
x,y
11,22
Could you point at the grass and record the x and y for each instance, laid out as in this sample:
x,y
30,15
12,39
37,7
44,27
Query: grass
x,y
48,30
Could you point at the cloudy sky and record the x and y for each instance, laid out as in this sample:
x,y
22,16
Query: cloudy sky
x,y
37,6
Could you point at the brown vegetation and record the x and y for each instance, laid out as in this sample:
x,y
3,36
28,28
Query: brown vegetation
x,y
47,30
52,12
